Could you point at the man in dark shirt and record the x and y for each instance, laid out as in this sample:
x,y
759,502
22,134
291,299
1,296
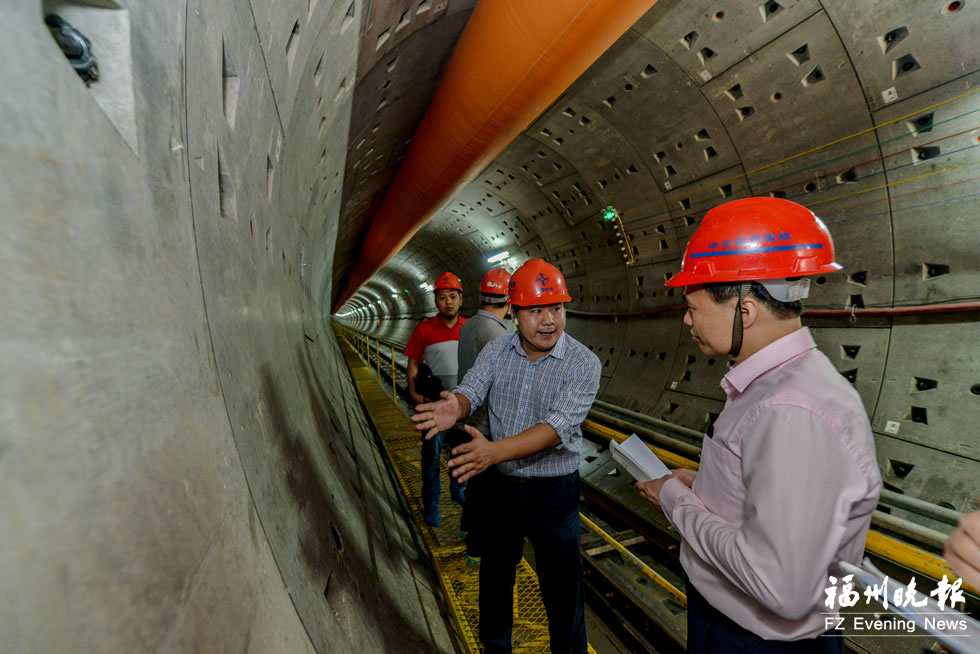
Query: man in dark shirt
x,y
479,330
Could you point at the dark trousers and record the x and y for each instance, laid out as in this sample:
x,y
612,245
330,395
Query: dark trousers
x,y
431,454
546,510
473,520
710,631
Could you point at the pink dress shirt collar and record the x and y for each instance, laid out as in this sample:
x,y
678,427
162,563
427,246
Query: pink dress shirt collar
x,y
775,354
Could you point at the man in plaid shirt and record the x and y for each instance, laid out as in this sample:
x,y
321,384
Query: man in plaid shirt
x,y
539,384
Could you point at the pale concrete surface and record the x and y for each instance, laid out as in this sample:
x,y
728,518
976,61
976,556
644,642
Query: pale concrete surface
x,y
183,464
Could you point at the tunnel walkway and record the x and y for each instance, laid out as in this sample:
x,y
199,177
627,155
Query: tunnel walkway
x,y
459,579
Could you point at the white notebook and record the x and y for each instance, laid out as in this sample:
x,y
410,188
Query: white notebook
x,y
637,459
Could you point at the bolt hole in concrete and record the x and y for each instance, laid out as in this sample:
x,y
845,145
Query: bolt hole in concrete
x,y
96,42
900,469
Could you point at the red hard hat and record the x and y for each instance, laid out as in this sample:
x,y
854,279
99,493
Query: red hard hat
x,y
756,239
495,282
536,283
449,281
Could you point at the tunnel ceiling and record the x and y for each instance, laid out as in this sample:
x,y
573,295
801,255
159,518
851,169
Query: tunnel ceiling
x,y
695,105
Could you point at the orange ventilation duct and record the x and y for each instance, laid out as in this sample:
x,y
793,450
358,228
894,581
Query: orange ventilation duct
x,y
514,58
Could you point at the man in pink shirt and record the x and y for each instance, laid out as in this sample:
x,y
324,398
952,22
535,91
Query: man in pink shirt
x,y
788,476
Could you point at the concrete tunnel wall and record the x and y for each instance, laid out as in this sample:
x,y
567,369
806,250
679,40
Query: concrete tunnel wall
x,y
183,460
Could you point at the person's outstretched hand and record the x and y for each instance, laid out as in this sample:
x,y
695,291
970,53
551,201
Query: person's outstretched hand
x,y
472,458
962,549
436,416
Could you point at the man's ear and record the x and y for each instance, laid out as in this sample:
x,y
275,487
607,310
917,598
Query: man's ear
x,y
751,309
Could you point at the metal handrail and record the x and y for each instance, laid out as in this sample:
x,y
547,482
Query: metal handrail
x,y
656,422
923,508
681,446
909,529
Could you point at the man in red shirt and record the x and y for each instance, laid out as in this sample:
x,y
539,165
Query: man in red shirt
x,y
436,340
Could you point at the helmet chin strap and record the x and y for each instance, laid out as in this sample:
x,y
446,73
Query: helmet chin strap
x,y
743,291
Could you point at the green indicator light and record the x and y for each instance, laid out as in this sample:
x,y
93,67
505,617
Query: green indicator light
x,y
608,213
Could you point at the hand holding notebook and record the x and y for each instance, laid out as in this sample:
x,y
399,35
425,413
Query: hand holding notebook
x,y
637,459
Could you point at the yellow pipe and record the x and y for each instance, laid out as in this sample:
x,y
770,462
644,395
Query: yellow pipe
x,y
377,356
513,60
632,558
668,457
394,394
912,557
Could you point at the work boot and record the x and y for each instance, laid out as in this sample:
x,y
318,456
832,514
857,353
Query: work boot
x,y
432,517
